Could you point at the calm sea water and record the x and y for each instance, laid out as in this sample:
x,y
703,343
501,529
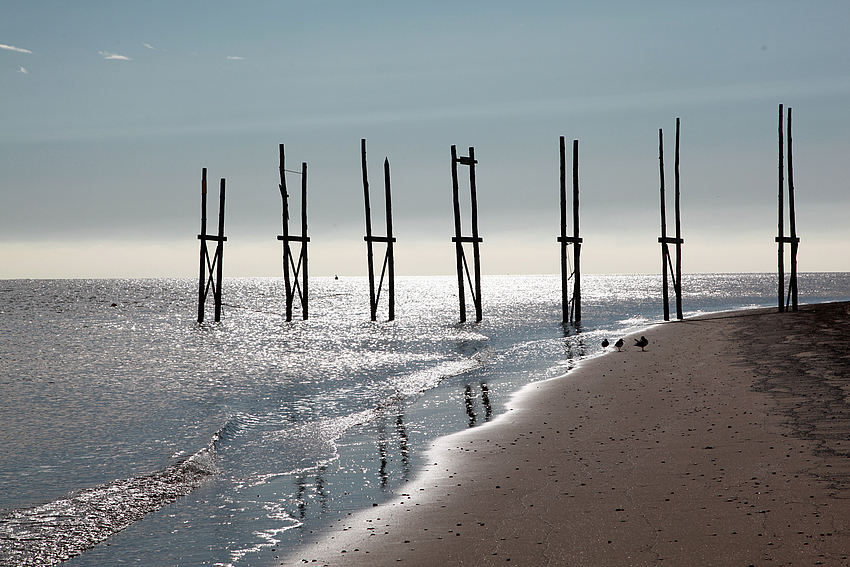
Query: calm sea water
x,y
131,434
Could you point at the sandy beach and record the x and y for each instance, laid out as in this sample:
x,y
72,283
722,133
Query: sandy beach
x,y
725,442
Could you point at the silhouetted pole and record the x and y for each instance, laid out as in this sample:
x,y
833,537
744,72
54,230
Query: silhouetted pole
x,y
459,240
202,276
211,270
781,239
666,261
792,222
291,269
219,252
389,261
679,241
665,252
576,240
373,305
388,265
571,307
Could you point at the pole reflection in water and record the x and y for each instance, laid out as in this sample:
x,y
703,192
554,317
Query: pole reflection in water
x,y
574,346
384,454
469,402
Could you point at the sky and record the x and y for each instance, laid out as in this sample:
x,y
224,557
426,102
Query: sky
x,y
110,110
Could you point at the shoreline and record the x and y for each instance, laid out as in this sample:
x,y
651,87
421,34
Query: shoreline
x,y
699,464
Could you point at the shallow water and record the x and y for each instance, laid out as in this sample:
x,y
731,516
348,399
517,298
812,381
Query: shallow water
x,y
287,426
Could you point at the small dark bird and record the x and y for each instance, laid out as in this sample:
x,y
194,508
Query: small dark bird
x,y
619,344
605,343
642,342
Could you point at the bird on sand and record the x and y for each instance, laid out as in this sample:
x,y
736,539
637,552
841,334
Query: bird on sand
x,y
619,344
642,342
605,343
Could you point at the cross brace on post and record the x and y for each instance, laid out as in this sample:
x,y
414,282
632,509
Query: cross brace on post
x,y
459,240
292,269
211,267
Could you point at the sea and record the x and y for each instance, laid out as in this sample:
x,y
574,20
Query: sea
x,y
131,434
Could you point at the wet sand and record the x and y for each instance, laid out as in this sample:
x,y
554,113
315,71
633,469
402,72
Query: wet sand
x,y
725,443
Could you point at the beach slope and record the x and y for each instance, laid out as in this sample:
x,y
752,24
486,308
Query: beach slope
x,y
725,442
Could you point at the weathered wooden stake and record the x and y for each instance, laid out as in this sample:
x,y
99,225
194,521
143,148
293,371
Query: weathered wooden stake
x,y
388,267
666,260
459,240
291,269
212,269
781,239
571,307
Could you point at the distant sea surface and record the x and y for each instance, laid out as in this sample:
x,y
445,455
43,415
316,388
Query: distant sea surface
x,y
133,435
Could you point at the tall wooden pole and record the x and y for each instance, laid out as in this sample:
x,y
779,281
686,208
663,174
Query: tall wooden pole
x,y
576,239
665,253
204,253
373,304
565,294
305,239
475,239
781,238
390,239
458,243
678,283
219,252
287,252
792,285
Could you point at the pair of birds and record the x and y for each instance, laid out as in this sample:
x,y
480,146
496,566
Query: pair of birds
x,y
642,342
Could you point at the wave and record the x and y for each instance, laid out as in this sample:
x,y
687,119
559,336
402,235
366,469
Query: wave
x,y
56,531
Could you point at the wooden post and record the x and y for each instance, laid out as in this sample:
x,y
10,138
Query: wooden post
x,y
576,240
211,270
781,233
389,261
475,239
666,260
291,269
665,252
202,276
571,306
459,239
781,239
219,251
792,223
373,305
677,285
388,266
565,294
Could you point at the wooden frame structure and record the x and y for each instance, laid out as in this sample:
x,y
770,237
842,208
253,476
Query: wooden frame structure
x,y
459,240
388,266
212,268
292,269
666,260
571,306
781,239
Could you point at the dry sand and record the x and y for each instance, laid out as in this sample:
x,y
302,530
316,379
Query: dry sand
x,y
725,443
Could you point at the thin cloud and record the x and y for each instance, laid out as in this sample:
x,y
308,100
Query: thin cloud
x,y
234,58
149,46
24,71
107,55
13,48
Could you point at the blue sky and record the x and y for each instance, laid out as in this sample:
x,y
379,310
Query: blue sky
x,y
111,109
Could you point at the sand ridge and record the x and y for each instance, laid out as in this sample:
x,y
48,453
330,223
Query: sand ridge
x,y
675,456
